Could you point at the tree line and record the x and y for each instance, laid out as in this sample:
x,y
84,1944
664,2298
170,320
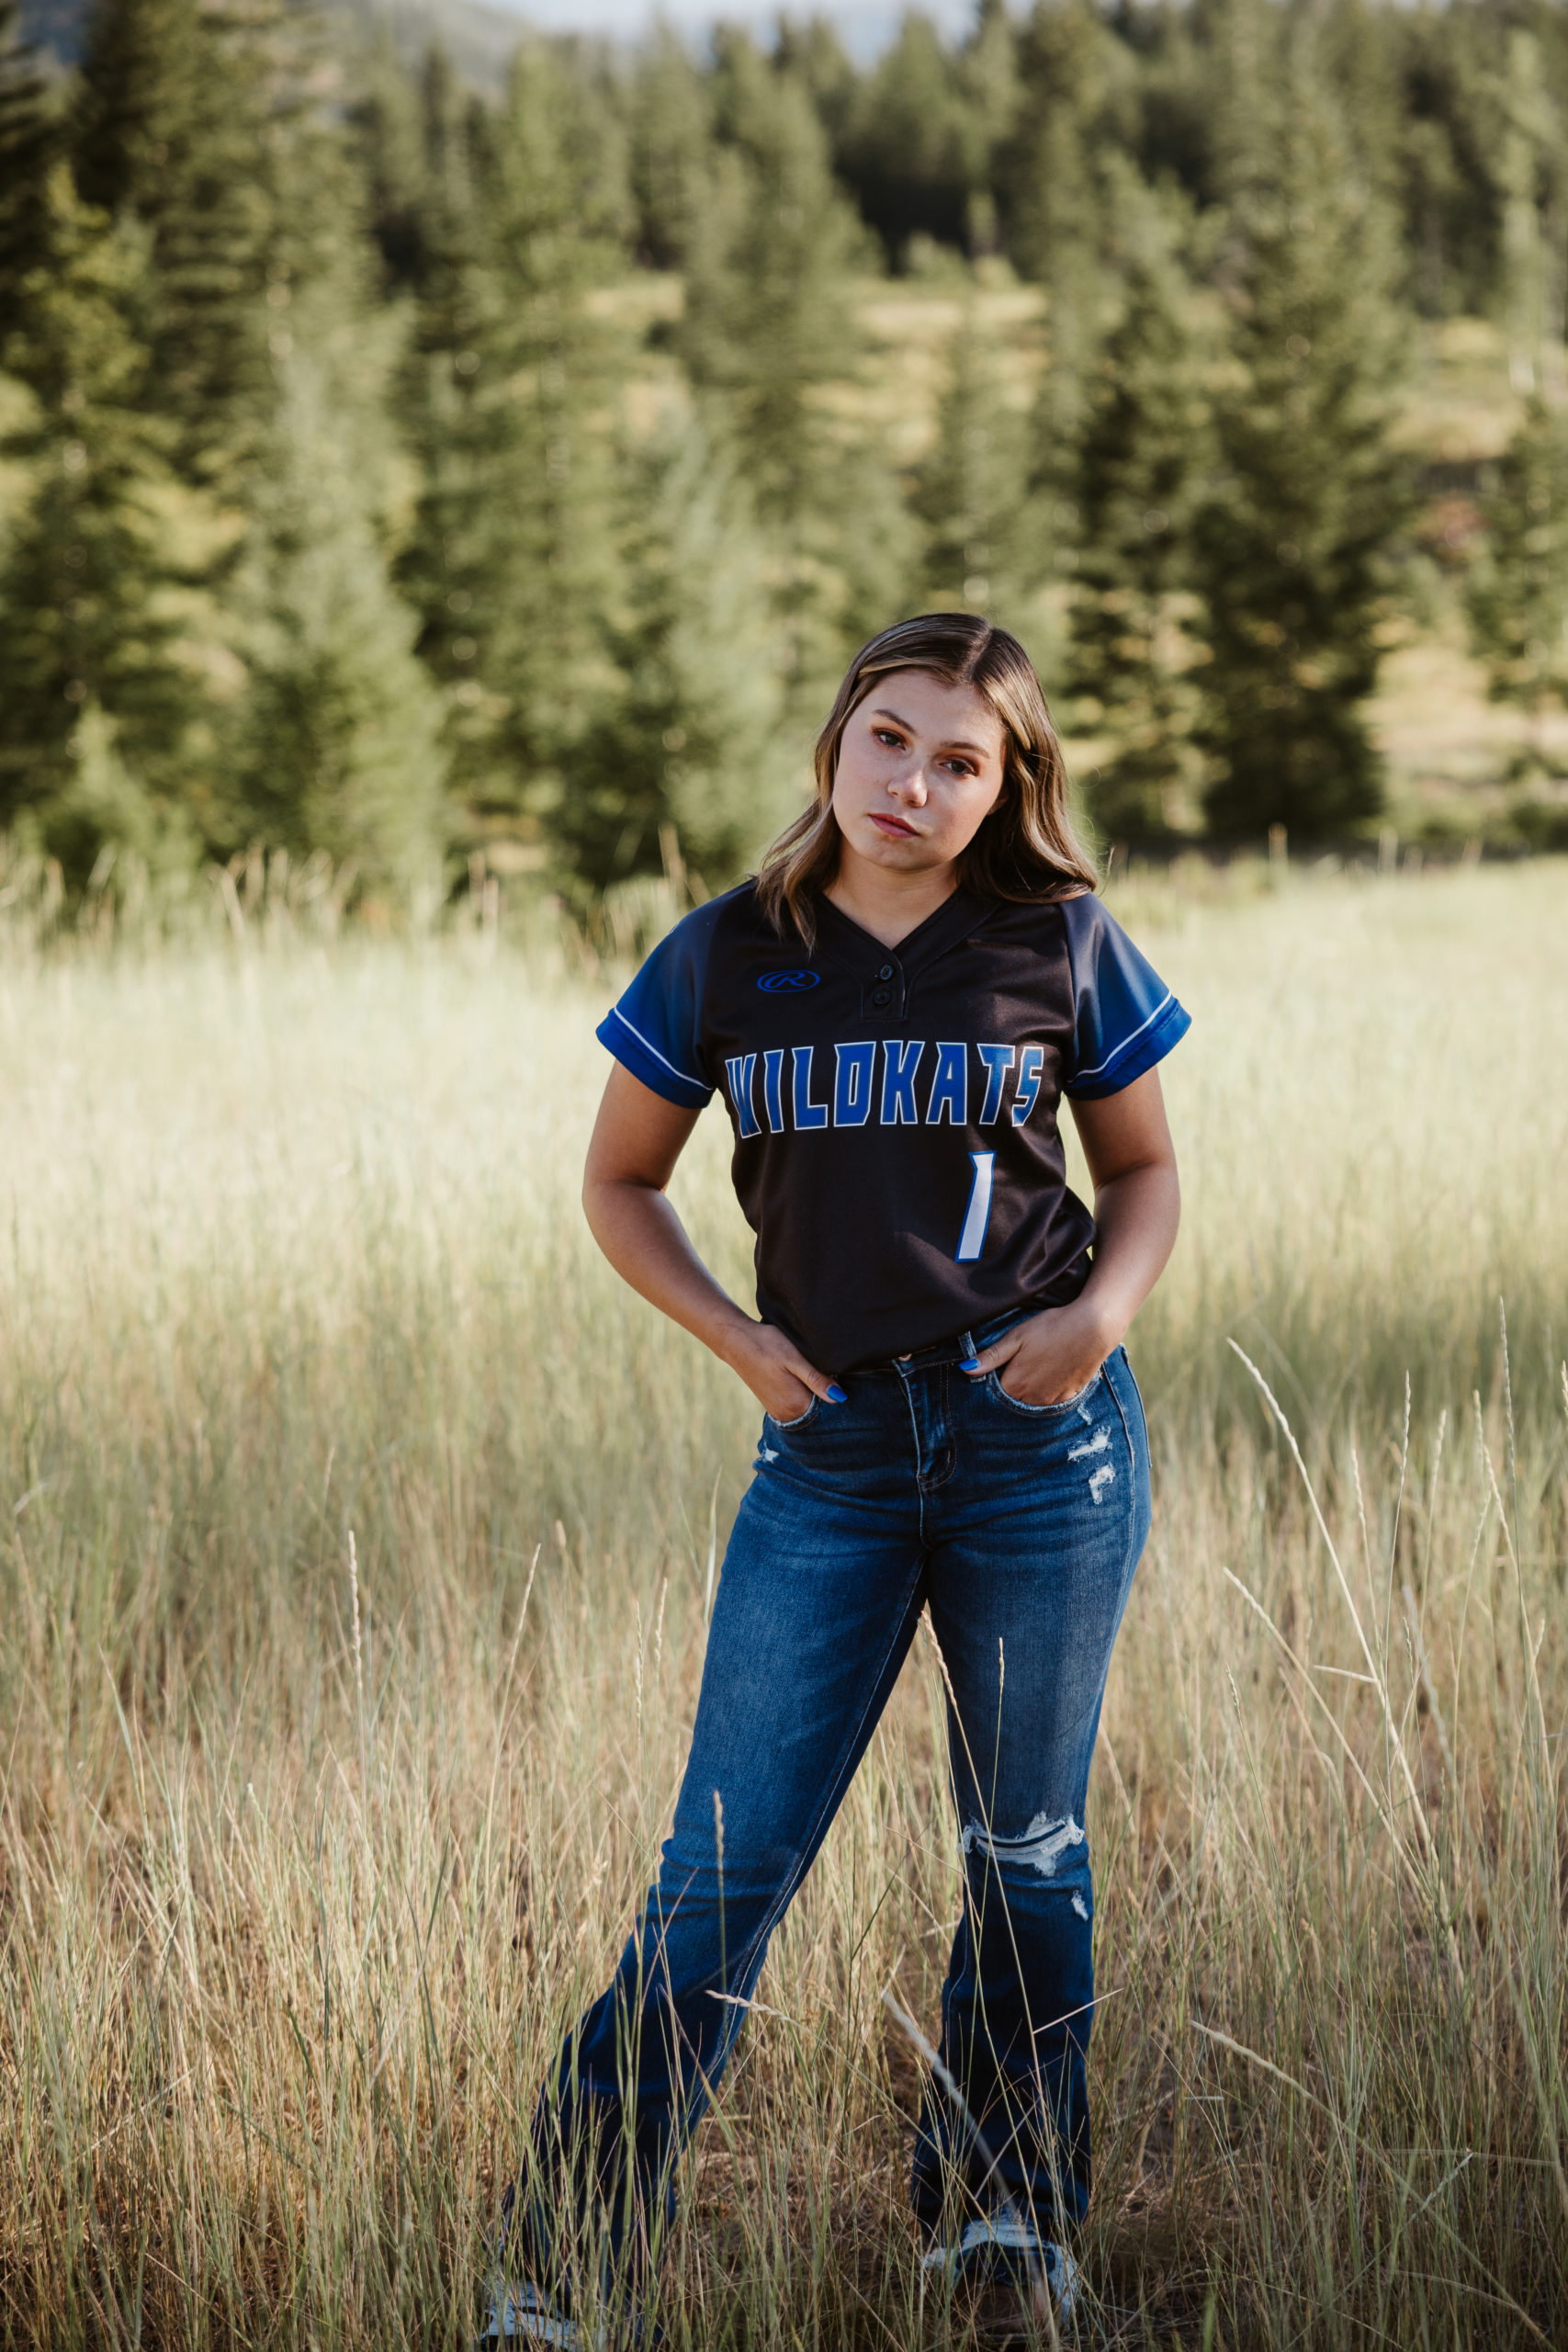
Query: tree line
x,y
394,471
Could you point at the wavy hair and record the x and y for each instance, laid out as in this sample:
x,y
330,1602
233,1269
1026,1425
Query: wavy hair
x,y
1026,847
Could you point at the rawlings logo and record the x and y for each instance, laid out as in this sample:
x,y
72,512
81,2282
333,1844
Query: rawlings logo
x,y
788,983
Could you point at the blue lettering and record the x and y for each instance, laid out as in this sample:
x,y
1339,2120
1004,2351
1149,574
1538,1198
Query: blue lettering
x,y
899,1063
852,1090
998,1061
773,1090
807,1113
950,1088
1030,1064
740,1072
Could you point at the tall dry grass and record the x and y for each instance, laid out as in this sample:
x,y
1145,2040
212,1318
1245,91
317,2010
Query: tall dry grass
x,y
303,1872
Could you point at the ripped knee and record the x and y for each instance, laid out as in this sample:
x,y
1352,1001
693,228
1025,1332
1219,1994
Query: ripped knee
x,y
1055,1849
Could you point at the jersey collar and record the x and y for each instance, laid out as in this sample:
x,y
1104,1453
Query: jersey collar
x,y
848,944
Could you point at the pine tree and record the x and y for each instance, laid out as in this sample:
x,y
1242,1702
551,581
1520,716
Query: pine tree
x,y
424,147
1528,151
916,154
812,54
391,150
29,141
670,134
685,736
1056,199
172,131
1173,136
966,490
766,321
1451,145
1292,542
461,419
1360,66
510,403
560,221
1243,52
323,264
1519,595
86,591
767,331
1140,462
994,94
337,741
101,809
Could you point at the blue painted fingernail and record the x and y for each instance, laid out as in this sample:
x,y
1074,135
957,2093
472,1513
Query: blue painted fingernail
x,y
970,1364
837,1395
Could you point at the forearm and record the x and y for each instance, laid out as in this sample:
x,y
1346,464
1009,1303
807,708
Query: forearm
x,y
1136,1216
637,1138
639,1230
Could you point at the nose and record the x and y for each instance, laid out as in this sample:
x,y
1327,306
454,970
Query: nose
x,y
910,783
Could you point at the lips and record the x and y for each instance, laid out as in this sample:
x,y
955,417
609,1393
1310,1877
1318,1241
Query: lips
x,y
896,829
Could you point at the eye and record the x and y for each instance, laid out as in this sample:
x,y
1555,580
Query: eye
x,y
887,735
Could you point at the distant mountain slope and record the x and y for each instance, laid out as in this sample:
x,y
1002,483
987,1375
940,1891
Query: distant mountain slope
x,y
480,41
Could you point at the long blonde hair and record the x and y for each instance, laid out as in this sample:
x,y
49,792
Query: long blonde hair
x,y
1025,849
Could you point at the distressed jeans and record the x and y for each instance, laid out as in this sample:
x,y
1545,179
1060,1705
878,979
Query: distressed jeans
x,y
1020,1528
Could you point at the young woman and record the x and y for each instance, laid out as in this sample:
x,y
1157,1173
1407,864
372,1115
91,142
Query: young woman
x,y
892,1010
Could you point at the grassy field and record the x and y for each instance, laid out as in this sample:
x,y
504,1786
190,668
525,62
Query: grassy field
x,y
310,1849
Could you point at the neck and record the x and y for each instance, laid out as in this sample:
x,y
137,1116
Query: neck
x,y
885,902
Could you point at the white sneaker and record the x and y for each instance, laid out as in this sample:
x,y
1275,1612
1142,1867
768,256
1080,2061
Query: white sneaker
x,y
1003,2234
521,2312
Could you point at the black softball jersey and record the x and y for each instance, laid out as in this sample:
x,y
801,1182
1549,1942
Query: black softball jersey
x,y
895,1109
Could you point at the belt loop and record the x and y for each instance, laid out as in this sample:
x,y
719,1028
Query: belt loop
x,y
966,1344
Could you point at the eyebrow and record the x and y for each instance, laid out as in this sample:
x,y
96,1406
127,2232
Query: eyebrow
x,y
958,745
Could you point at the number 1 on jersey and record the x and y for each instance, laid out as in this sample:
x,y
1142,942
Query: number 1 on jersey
x,y
972,1240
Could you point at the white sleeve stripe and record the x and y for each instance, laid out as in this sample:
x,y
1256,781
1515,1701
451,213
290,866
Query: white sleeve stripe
x,y
1169,997
684,1075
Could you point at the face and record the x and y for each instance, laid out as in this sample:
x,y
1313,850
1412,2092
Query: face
x,y
919,767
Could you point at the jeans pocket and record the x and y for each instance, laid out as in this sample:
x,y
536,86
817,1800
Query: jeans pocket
x,y
800,1420
1041,1412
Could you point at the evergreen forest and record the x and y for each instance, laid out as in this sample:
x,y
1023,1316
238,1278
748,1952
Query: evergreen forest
x,y
435,480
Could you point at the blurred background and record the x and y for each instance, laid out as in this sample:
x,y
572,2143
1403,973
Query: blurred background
x,y
452,451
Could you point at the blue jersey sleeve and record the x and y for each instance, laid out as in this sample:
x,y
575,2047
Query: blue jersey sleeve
x,y
1126,1019
654,1030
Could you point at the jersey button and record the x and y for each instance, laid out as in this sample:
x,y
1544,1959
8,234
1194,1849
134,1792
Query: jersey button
x,y
885,973
882,996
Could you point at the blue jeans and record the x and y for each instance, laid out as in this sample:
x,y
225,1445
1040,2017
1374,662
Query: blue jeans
x,y
1020,1528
